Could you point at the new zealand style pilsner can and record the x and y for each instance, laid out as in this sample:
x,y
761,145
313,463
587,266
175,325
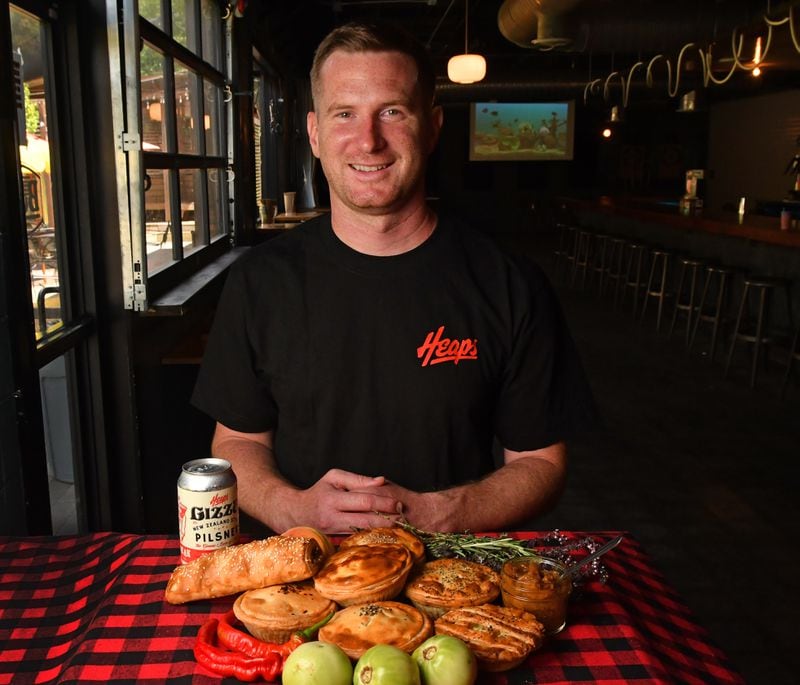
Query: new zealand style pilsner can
x,y
208,510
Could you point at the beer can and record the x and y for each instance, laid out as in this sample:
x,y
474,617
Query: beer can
x,y
208,510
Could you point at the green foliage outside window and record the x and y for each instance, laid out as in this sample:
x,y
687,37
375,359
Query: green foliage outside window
x,y
31,112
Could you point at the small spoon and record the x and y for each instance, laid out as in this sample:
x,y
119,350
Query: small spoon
x,y
572,570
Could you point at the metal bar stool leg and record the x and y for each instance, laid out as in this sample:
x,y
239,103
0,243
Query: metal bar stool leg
x,y
649,287
681,277
663,290
622,283
599,262
634,276
691,312
718,316
763,299
638,282
686,303
739,317
700,306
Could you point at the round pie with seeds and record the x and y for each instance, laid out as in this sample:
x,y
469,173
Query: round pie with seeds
x,y
357,628
274,613
445,584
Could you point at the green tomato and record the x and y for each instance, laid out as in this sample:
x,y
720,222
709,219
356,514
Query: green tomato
x,y
445,660
385,665
317,663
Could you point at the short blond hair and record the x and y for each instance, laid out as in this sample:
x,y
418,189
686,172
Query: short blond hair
x,y
363,37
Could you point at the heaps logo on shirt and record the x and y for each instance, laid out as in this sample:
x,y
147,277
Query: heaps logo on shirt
x,y
437,349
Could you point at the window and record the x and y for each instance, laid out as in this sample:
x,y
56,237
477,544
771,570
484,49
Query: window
x,y
178,206
32,81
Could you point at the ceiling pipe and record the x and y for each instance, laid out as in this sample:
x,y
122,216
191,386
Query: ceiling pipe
x,y
561,89
615,27
536,23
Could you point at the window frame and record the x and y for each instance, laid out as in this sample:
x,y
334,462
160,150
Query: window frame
x,y
125,38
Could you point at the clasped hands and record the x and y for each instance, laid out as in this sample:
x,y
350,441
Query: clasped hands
x,y
342,501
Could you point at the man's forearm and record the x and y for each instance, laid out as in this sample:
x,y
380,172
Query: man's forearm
x,y
261,487
522,489
333,504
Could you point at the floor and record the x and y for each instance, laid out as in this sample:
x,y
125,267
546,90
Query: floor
x,y
702,470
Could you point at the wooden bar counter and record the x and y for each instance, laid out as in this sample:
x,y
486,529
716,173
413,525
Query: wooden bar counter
x,y
762,229
756,245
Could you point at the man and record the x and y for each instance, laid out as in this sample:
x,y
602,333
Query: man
x,y
361,366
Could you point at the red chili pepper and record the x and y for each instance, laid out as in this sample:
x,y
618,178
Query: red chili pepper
x,y
233,638
236,664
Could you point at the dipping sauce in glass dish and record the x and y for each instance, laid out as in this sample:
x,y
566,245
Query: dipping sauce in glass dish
x,y
537,585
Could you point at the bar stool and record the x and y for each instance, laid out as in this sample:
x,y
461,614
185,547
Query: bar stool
x,y
564,254
756,331
633,280
583,251
717,281
657,282
615,271
598,265
687,304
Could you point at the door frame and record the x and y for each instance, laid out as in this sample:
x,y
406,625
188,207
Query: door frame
x,y
23,451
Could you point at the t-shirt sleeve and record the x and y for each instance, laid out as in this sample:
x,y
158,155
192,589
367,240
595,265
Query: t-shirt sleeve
x,y
544,396
229,387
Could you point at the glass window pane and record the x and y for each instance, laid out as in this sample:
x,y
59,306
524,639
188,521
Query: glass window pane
x,y
30,61
211,27
216,195
154,127
183,22
213,119
57,416
151,10
191,196
185,107
158,220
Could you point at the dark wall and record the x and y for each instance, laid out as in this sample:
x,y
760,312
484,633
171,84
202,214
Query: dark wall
x,y
648,154
171,430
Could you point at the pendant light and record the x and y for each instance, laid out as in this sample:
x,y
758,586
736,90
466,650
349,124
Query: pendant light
x,y
466,68
757,58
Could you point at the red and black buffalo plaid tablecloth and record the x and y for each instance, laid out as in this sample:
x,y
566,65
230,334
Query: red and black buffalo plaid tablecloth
x,y
91,609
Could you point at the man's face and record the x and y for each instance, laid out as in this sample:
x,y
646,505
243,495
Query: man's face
x,y
371,130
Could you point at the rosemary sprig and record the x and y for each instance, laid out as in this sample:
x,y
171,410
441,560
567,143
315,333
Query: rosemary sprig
x,y
491,551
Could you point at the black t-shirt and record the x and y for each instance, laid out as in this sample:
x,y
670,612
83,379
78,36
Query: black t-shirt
x,y
405,366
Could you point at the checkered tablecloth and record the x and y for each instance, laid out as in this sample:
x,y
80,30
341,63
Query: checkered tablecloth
x,y
91,609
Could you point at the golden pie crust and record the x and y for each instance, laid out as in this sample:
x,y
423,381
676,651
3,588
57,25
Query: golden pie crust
x,y
500,637
274,613
357,628
364,573
379,536
445,584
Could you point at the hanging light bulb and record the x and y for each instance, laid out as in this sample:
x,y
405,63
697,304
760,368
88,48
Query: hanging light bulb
x,y
757,57
466,68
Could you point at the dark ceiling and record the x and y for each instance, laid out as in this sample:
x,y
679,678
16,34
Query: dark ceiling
x,y
593,38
